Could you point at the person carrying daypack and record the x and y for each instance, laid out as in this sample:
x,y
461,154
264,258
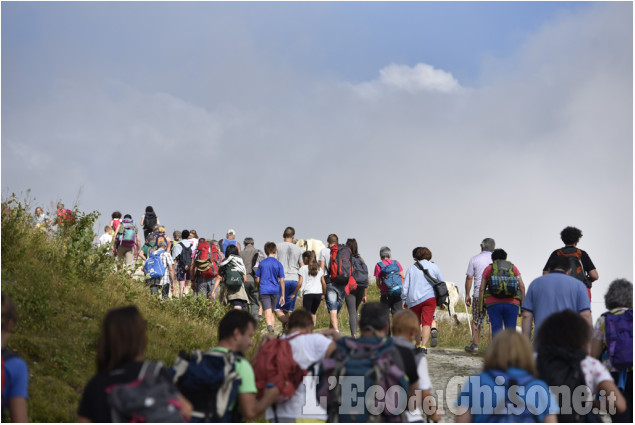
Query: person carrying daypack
x,y
502,292
251,256
205,268
389,279
379,361
423,290
159,270
356,296
148,221
182,256
285,361
612,342
232,273
221,382
126,240
338,271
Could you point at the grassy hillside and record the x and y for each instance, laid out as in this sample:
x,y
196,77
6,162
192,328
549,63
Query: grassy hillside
x,y
63,288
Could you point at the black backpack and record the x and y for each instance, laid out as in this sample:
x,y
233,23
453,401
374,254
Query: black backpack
x,y
185,257
558,366
150,221
340,266
575,259
360,271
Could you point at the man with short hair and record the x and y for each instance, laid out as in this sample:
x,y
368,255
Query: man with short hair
x,y
584,269
290,255
552,293
163,283
106,238
230,239
393,302
474,274
335,294
235,334
270,283
183,267
248,254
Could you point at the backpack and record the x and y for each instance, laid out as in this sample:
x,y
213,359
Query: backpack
x,y
162,237
149,221
206,260
153,267
558,366
115,224
274,363
185,257
259,256
340,266
503,283
575,259
150,398
514,413
208,379
233,278
441,292
618,332
378,361
129,235
360,271
391,277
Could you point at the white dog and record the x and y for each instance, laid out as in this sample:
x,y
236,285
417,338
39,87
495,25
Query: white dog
x,y
311,245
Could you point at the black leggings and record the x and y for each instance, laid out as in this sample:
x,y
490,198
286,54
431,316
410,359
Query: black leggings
x,y
353,300
311,302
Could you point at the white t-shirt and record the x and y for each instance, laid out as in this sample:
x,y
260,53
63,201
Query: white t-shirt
x,y
594,373
307,349
310,284
105,239
424,384
325,255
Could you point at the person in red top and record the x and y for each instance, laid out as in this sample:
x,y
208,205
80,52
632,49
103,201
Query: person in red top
x,y
393,302
501,310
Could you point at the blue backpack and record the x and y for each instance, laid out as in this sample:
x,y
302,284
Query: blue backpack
x,y
618,332
208,379
392,278
513,413
153,267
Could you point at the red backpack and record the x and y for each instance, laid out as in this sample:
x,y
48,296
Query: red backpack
x,y
341,264
207,260
274,363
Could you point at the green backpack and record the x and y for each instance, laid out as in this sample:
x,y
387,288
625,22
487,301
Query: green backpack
x,y
503,283
233,278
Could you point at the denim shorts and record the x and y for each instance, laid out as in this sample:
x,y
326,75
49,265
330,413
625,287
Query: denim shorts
x,y
335,296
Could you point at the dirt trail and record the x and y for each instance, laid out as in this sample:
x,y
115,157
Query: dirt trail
x,y
445,364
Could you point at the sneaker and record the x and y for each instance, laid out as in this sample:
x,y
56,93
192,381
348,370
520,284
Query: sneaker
x,y
434,337
421,350
472,349
270,329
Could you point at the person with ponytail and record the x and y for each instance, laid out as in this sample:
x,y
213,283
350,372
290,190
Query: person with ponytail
x,y
311,280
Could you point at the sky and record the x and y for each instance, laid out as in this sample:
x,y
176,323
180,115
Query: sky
x,y
407,124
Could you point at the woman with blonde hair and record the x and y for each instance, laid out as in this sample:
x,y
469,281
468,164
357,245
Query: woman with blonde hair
x,y
508,369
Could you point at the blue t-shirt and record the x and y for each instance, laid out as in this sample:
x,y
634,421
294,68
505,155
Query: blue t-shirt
x,y
552,293
226,243
17,380
480,395
270,271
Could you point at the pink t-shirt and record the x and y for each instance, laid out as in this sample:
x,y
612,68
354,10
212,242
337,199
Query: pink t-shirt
x,y
377,274
487,273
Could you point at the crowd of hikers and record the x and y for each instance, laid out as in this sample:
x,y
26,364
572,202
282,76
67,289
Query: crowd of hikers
x,y
571,372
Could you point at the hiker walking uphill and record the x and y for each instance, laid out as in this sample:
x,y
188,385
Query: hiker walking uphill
x,y
290,255
389,278
126,241
612,342
204,269
337,274
115,221
250,256
551,293
582,267
230,239
148,221
418,293
474,274
182,256
232,273
357,296
311,284
160,270
123,377
502,292
270,282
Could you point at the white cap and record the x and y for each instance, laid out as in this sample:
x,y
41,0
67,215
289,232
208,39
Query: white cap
x,y
231,232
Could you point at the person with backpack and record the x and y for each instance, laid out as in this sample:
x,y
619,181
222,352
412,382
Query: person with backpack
x,y
305,349
474,275
378,361
389,279
122,374
290,255
162,236
250,256
161,261
358,295
582,268
150,246
148,221
551,293
508,362
182,256
204,269
64,218
15,373
418,293
338,272
612,342
232,273
270,282
311,283
115,221
563,363
126,241
405,328
502,291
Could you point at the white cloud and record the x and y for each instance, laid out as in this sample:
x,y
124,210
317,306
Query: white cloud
x,y
419,78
